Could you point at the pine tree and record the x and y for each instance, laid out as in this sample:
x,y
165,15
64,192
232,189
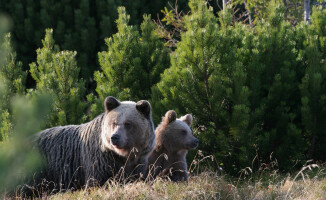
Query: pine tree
x,y
79,25
18,158
56,72
206,79
313,86
241,84
133,62
273,79
13,78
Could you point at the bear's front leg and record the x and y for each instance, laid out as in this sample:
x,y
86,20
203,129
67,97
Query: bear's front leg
x,y
179,175
139,170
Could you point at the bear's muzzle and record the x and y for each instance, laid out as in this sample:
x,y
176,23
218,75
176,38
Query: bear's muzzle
x,y
115,139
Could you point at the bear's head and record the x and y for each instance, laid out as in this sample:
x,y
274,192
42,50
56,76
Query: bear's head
x,y
175,134
127,127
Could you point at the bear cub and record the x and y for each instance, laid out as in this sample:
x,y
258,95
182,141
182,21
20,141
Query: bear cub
x,y
173,140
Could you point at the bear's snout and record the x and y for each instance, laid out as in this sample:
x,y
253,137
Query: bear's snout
x,y
195,144
115,139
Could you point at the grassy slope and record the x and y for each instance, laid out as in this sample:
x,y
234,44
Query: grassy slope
x,y
208,185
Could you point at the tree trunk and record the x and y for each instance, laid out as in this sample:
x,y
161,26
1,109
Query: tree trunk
x,y
224,5
249,13
307,11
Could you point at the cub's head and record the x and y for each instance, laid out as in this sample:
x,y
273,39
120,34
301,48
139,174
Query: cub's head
x,y
175,134
127,126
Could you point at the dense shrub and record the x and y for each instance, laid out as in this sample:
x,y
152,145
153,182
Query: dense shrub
x,y
313,85
79,25
133,62
12,77
244,86
56,73
257,92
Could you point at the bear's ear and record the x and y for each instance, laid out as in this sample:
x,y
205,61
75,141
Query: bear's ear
x,y
144,107
170,116
111,103
187,118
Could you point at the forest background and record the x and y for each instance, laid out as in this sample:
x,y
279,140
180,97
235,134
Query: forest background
x,y
253,74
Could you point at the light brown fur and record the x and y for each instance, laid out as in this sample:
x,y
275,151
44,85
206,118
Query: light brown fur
x,y
117,143
173,140
141,135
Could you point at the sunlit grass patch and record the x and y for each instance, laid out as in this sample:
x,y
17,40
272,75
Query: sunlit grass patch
x,y
207,185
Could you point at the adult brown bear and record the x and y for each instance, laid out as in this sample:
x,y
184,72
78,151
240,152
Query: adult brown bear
x,y
116,143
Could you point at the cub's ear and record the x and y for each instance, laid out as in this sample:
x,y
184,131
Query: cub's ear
x,y
187,119
111,103
170,116
144,107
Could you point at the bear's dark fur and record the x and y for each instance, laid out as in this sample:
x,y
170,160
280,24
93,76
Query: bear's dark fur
x,y
116,144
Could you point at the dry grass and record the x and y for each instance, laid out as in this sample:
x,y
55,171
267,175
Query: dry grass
x,y
207,185
265,184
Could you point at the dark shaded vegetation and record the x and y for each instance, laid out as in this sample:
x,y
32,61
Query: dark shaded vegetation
x,y
255,89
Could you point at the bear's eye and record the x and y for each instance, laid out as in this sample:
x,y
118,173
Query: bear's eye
x,y
184,132
128,125
114,124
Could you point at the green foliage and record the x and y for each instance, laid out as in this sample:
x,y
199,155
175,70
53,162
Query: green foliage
x,y
133,62
18,158
206,79
13,75
56,72
79,25
4,23
5,126
255,91
244,86
313,85
274,81
13,78
261,9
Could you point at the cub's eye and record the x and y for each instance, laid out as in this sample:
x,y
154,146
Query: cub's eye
x,y
128,125
184,132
